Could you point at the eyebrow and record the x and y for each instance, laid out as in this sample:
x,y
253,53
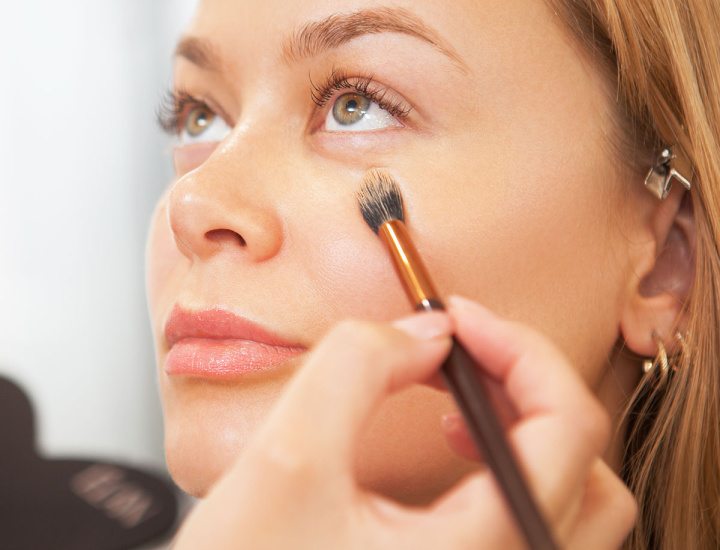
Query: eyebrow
x,y
332,32
317,37
199,52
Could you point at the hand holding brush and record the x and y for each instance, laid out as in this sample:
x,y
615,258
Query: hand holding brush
x,y
382,208
295,485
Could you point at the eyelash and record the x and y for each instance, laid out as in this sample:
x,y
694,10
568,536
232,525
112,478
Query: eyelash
x,y
362,85
175,103
172,108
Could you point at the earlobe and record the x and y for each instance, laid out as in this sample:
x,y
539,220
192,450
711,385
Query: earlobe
x,y
659,296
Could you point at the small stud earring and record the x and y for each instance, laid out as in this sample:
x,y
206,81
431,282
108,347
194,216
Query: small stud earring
x,y
659,178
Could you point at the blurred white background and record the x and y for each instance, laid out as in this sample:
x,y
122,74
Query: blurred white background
x,y
82,163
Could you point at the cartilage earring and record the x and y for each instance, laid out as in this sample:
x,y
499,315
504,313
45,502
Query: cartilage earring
x,y
659,179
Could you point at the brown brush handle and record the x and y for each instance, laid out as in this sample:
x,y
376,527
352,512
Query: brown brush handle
x,y
462,379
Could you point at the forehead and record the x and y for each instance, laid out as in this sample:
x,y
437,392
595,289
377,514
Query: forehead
x,y
467,30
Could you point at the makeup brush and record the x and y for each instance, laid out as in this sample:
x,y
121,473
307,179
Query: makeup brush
x,y
382,208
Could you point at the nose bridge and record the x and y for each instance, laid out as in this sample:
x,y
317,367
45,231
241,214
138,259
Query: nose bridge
x,y
226,205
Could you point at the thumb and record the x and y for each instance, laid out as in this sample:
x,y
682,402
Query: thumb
x,y
343,381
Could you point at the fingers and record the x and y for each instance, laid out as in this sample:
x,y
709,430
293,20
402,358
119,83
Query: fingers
x,y
473,515
607,514
299,467
327,404
562,428
535,374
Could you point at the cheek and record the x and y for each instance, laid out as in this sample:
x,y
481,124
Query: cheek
x,y
354,275
338,262
540,250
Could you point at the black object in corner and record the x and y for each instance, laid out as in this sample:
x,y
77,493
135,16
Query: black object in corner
x,y
60,504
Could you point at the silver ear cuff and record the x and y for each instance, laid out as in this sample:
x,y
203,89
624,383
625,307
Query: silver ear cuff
x,y
659,179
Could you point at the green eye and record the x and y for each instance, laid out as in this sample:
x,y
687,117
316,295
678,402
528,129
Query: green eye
x,y
349,108
198,120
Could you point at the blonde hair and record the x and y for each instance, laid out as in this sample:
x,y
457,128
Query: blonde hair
x,y
664,57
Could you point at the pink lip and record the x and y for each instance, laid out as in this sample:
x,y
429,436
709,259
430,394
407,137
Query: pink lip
x,y
216,343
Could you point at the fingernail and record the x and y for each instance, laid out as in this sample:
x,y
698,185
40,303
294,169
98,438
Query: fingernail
x,y
452,422
425,326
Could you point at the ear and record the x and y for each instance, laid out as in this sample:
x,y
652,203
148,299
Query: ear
x,y
659,294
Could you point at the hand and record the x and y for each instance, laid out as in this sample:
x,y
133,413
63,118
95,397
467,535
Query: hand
x,y
294,485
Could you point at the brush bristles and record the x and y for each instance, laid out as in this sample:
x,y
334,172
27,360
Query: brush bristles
x,y
380,200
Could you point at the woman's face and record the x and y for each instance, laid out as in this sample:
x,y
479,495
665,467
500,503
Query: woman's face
x,y
493,125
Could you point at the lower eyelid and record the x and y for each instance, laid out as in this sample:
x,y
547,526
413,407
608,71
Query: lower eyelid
x,y
361,147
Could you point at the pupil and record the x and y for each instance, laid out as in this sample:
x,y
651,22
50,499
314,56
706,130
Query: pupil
x,y
351,106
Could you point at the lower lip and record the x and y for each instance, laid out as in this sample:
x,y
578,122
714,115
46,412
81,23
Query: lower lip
x,y
224,358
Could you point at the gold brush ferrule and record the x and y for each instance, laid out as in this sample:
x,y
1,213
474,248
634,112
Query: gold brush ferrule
x,y
412,272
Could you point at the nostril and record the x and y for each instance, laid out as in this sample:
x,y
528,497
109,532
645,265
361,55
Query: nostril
x,y
221,236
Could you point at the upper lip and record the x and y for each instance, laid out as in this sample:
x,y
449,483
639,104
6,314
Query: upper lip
x,y
218,324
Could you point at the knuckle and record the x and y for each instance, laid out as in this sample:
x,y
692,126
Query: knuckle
x,y
626,505
614,496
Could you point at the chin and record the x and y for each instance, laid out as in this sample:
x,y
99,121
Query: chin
x,y
207,426
196,460
403,455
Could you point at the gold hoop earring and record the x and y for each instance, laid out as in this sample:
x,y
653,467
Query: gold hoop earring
x,y
683,343
660,367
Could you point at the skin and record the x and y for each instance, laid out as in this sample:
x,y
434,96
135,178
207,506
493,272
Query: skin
x,y
278,493
508,185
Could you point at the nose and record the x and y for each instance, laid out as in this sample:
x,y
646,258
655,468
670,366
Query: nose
x,y
211,211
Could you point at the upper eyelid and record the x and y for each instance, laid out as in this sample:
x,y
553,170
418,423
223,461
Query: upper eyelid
x,y
335,81
339,80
